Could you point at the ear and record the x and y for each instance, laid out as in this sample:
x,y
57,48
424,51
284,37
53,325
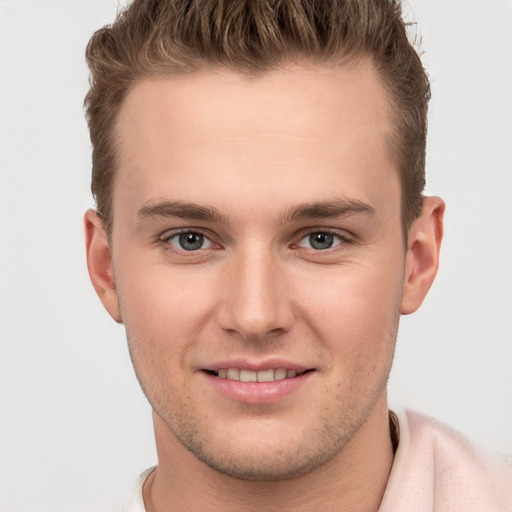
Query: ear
x,y
422,258
99,263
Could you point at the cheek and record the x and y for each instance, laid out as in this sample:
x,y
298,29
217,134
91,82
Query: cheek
x,y
161,322
355,308
162,310
356,323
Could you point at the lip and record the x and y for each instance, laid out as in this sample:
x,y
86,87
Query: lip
x,y
256,366
256,392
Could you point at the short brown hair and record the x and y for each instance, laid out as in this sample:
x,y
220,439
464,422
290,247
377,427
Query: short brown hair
x,y
154,38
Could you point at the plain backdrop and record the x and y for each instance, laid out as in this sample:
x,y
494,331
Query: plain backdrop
x,y
75,430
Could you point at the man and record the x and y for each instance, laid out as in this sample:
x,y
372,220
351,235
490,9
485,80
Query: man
x,y
258,168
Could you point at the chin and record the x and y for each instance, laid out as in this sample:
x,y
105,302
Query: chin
x,y
266,454
264,467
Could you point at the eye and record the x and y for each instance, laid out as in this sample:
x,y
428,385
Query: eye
x,y
189,241
321,240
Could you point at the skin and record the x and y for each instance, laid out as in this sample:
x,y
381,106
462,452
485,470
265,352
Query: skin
x,y
275,168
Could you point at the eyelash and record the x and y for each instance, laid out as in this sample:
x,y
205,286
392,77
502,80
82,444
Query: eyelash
x,y
168,236
343,240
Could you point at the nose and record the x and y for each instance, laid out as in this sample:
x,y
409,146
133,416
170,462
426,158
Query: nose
x,y
256,303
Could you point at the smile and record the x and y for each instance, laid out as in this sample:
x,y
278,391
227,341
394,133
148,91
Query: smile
x,y
269,375
257,383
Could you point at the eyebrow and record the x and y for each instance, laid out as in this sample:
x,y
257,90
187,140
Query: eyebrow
x,y
320,210
182,210
340,207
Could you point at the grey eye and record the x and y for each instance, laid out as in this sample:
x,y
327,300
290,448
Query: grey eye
x,y
321,241
188,241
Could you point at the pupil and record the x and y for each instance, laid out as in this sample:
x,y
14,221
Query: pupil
x,y
191,241
321,240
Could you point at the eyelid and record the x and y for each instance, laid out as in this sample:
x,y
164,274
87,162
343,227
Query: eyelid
x,y
344,236
341,233
167,235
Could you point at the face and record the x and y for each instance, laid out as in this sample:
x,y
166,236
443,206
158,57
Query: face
x,y
259,261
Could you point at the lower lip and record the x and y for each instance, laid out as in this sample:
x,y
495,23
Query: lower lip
x,y
257,392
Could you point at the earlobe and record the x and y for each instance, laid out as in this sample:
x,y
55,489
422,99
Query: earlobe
x,y
99,263
422,259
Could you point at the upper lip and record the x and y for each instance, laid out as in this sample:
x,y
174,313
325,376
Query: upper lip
x,y
256,366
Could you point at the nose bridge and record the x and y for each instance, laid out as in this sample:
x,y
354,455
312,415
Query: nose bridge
x,y
256,302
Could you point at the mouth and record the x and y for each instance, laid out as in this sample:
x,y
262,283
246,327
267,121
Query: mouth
x,y
257,383
268,375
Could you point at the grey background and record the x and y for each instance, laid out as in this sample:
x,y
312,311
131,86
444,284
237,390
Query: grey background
x,y
75,430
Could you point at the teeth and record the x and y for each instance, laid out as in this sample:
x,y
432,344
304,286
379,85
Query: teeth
x,y
233,374
280,374
269,375
266,376
248,376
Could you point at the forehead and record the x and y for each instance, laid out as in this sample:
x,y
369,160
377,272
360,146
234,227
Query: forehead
x,y
320,98
321,126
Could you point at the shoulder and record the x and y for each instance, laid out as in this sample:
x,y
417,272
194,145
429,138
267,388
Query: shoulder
x,y
437,469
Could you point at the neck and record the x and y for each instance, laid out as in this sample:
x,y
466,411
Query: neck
x,y
354,479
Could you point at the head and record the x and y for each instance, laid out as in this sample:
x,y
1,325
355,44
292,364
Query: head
x,y
155,38
257,166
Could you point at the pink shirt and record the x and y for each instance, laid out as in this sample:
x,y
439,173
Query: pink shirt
x,y
437,469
